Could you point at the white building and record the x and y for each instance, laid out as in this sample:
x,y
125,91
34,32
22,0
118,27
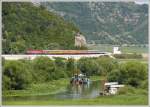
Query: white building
x,y
116,50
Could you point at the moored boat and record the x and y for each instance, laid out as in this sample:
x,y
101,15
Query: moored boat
x,y
79,79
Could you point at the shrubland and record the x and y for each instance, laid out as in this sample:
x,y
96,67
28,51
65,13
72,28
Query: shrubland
x,y
20,74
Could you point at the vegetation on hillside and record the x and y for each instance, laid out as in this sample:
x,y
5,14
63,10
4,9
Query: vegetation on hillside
x,y
106,22
28,26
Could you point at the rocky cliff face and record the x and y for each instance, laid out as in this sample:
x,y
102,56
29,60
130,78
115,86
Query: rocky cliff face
x,y
80,40
106,22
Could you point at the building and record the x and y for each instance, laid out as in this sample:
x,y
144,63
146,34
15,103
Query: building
x,y
116,50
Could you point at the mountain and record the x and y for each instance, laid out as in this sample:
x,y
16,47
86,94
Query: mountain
x,y
30,26
106,22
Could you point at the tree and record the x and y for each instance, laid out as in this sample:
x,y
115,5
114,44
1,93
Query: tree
x,y
44,68
16,75
60,62
131,73
107,64
24,29
70,64
88,66
113,76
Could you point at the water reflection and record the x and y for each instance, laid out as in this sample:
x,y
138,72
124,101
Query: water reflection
x,y
81,91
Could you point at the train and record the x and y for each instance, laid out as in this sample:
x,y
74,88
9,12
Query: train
x,y
63,52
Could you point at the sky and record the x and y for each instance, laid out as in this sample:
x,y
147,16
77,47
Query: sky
x,y
142,1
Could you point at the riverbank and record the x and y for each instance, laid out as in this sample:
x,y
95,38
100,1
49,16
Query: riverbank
x,y
47,88
103,100
51,87
131,96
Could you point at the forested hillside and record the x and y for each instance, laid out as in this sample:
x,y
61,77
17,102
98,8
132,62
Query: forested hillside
x,y
106,22
29,26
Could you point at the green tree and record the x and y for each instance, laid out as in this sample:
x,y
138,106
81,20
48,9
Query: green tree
x,y
26,26
131,73
16,75
107,64
70,64
60,62
44,69
88,66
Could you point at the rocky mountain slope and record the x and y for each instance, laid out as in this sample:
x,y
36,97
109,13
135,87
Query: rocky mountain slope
x,y
106,22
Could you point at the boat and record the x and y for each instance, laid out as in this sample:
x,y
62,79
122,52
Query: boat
x,y
79,79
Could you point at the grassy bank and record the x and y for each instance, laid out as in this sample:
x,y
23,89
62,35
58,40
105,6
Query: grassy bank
x,y
103,100
47,88
131,96
51,87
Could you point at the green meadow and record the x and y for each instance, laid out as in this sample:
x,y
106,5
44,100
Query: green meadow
x,y
124,49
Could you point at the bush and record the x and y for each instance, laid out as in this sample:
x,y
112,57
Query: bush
x,y
88,66
60,73
106,64
113,76
6,83
21,73
144,84
44,69
130,73
123,90
70,66
16,75
127,90
133,82
60,62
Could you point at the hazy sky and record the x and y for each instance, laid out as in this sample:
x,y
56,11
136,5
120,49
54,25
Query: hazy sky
x,y
142,1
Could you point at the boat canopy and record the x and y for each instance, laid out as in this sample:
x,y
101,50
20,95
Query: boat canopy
x,y
81,75
111,83
116,86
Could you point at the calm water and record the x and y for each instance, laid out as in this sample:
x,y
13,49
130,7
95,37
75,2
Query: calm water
x,y
72,92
